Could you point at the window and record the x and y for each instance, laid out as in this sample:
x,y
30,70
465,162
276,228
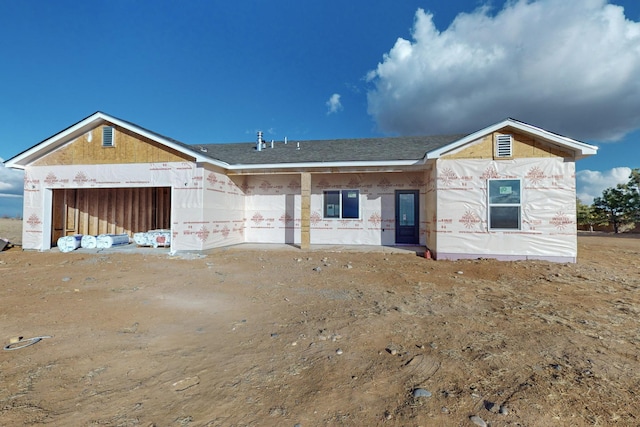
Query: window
x,y
342,204
504,204
107,136
504,145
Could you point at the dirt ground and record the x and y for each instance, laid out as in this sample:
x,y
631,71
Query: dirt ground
x,y
241,337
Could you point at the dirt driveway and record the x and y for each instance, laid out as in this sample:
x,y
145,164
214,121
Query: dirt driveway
x,y
288,337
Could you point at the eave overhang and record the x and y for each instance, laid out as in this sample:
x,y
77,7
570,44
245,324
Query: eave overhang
x,y
327,167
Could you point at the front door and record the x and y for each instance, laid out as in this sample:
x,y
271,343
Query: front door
x,y
407,217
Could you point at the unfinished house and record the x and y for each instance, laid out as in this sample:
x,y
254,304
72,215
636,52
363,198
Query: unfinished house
x,y
506,191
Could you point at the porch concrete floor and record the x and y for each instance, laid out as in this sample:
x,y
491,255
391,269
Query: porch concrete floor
x,y
133,248
406,249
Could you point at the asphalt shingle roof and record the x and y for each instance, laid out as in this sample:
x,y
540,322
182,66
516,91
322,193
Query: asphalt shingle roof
x,y
333,150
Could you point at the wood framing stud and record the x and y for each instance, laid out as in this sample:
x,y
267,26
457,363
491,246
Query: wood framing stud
x,y
305,214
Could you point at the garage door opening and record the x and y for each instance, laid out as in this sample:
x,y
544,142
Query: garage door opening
x,y
96,211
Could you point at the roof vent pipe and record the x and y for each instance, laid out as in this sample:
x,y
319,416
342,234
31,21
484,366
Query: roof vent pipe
x,y
259,142
272,143
285,140
297,145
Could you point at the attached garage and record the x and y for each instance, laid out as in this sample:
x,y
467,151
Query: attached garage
x,y
109,211
104,175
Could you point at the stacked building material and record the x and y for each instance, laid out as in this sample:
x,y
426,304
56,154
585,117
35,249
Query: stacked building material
x,y
88,241
155,238
69,243
104,241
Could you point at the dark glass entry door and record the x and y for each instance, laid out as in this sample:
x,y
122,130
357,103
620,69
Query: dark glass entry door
x,y
407,217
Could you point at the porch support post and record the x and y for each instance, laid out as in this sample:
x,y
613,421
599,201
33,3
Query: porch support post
x,y
305,210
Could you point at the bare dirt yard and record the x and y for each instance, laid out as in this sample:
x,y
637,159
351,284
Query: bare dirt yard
x,y
252,337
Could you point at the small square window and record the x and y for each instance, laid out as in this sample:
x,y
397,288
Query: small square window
x,y
342,204
108,136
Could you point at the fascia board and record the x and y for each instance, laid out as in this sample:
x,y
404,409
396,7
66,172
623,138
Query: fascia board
x,y
27,156
581,149
435,154
166,142
311,165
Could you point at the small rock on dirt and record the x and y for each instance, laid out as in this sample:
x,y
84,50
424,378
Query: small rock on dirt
x,y
420,392
478,421
185,383
490,406
131,329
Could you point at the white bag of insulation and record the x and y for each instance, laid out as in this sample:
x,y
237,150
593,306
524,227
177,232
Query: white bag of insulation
x,y
69,243
105,241
155,238
88,241
141,239
159,237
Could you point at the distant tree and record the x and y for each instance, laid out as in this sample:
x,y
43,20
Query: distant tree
x,y
633,187
616,206
587,215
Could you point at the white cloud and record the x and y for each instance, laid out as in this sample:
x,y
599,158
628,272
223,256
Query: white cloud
x,y
570,66
591,184
11,181
333,104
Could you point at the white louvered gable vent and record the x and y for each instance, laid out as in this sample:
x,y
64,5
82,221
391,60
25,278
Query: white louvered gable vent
x,y
107,136
504,145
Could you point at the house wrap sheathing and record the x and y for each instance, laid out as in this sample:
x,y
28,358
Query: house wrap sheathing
x,y
458,225
506,191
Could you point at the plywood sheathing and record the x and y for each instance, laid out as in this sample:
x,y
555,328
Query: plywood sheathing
x,y
524,146
128,148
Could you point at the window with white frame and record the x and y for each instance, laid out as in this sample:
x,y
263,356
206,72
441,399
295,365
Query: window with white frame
x,y
108,136
342,204
504,204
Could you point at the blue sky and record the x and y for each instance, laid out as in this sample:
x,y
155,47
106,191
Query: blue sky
x,y
213,72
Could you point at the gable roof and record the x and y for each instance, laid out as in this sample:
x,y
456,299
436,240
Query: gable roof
x,y
85,125
580,149
391,151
